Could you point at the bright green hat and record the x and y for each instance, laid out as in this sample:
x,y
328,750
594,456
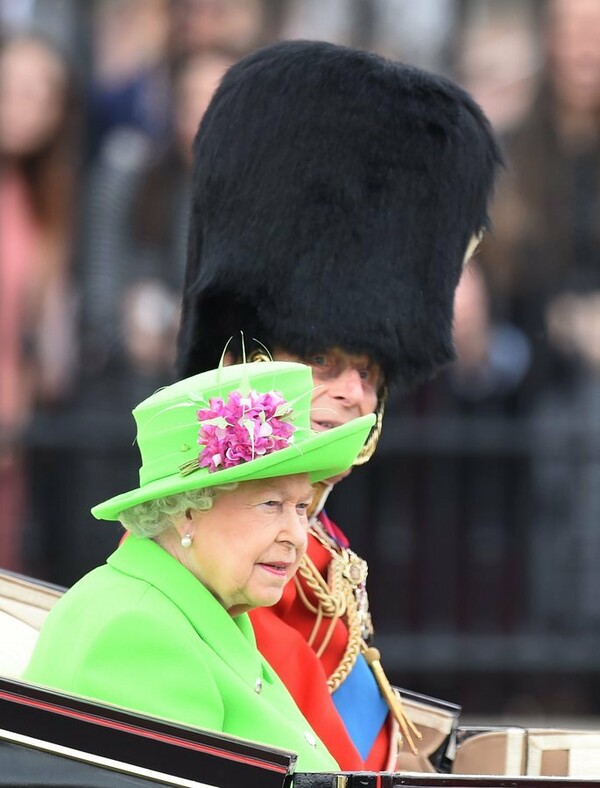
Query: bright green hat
x,y
233,424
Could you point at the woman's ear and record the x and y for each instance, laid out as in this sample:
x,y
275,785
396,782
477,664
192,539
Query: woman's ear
x,y
182,522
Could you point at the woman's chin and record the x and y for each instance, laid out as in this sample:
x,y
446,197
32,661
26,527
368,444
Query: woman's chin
x,y
268,598
263,599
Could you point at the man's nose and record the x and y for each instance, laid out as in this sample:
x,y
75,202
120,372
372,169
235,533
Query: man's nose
x,y
348,386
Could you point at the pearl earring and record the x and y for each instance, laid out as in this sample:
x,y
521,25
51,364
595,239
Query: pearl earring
x,y
186,541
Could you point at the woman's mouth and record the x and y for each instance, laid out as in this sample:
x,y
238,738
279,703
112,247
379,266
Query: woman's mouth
x,y
276,568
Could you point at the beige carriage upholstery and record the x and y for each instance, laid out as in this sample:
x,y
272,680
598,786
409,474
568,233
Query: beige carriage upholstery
x,y
437,727
24,605
563,753
532,752
491,751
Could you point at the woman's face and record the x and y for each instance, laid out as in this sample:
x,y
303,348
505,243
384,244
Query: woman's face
x,y
249,545
32,96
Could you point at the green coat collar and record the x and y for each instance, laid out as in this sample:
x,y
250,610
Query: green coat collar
x,y
231,638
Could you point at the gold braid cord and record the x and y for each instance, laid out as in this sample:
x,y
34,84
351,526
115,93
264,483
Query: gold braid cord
x,y
337,598
394,701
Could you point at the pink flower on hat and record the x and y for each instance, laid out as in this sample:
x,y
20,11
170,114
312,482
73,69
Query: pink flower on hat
x,y
243,428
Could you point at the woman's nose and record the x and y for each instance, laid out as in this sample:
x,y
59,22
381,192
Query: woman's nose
x,y
295,529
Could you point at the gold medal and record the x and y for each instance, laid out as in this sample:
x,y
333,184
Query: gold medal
x,y
354,569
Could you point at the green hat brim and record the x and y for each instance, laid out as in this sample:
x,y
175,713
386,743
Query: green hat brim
x,y
322,455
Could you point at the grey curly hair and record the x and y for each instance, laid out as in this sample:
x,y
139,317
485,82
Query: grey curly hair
x,y
151,518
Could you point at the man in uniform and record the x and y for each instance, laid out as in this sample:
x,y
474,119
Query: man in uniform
x,y
336,198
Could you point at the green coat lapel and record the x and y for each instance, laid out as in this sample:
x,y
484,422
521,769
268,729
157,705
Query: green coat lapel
x,y
231,638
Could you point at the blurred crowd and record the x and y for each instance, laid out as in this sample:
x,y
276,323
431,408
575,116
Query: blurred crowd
x,y
99,103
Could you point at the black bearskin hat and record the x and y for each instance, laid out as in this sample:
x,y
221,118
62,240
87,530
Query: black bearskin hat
x,y
334,196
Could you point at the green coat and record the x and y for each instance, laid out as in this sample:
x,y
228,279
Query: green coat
x,y
143,633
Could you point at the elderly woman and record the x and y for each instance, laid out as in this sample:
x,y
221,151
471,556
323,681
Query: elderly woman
x,y
218,526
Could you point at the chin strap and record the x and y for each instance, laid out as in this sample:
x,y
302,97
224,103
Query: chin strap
x,y
367,451
321,492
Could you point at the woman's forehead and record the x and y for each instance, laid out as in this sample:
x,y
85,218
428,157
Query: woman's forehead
x,y
297,484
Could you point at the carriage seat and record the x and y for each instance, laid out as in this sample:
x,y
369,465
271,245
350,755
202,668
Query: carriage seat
x,y
24,605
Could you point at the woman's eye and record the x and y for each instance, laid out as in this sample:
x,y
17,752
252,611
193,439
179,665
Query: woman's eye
x,y
302,508
272,504
319,361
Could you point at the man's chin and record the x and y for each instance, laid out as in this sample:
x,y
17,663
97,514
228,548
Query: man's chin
x,y
335,479
317,426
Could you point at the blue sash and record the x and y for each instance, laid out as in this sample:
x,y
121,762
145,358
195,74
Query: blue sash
x,y
361,706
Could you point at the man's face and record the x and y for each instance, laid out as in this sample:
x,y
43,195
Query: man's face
x,y
346,387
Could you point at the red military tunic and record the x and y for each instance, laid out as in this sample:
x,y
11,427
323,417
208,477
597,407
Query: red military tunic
x,y
282,634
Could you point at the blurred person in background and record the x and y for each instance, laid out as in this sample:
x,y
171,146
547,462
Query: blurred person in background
x,y
159,223
129,81
492,357
499,58
133,260
543,264
239,26
543,260
136,45
136,237
38,136
423,33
